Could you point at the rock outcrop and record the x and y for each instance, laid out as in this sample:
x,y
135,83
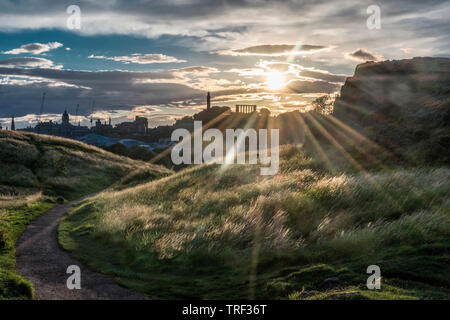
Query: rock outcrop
x,y
402,106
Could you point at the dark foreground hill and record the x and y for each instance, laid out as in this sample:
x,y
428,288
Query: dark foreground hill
x,y
35,172
61,167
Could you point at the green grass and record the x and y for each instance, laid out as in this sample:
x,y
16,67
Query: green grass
x,y
37,170
15,214
227,232
61,167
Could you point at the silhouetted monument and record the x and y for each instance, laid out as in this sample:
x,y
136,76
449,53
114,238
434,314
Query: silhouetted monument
x,y
245,108
208,101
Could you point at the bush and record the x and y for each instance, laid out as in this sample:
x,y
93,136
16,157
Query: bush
x,y
12,286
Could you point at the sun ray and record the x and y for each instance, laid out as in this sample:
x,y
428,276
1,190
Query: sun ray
x,y
352,161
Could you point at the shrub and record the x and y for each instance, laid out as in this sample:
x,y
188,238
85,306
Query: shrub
x,y
12,286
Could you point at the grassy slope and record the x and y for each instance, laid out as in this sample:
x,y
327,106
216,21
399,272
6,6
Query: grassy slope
x,y
34,171
59,166
226,232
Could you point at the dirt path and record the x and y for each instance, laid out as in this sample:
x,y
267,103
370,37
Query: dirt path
x,y
41,261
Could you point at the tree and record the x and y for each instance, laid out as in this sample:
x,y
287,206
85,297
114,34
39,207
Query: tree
x,y
265,113
323,104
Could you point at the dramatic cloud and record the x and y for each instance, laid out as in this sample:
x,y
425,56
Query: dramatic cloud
x,y
299,86
220,25
110,78
322,75
141,58
26,62
291,71
110,89
274,50
25,99
195,70
35,48
243,31
299,71
127,90
363,55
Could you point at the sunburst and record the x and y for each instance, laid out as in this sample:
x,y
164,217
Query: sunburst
x,y
275,80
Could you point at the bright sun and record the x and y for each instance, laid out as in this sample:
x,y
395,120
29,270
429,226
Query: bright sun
x,y
275,80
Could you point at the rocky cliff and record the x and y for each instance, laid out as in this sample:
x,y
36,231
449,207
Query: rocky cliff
x,y
403,106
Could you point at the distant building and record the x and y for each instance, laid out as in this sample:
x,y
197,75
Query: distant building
x,y
211,113
102,128
139,126
220,117
160,132
185,123
65,119
65,129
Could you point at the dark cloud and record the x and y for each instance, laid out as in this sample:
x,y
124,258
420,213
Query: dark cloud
x,y
34,48
299,86
195,70
202,8
277,49
293,87
91,78
114,89
323,76
26,62
363,55
141,58
21,100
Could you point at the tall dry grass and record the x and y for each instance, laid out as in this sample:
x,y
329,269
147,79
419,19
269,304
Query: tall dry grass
x,y
228,211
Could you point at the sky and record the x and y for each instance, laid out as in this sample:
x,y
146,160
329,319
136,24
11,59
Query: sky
x,y
159,58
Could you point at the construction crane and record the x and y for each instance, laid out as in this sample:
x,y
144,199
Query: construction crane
x,y
92,113
41,110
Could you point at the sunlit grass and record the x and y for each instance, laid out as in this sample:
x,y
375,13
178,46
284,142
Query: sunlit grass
x,y
240,228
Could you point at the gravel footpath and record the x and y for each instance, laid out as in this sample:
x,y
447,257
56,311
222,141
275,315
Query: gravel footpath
x,y
41,261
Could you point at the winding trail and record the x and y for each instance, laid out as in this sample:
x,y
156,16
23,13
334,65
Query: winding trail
x,y
41,261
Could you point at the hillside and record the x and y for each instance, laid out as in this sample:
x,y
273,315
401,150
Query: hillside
x,y
365,189
402,106
36,171
58,166
226,232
